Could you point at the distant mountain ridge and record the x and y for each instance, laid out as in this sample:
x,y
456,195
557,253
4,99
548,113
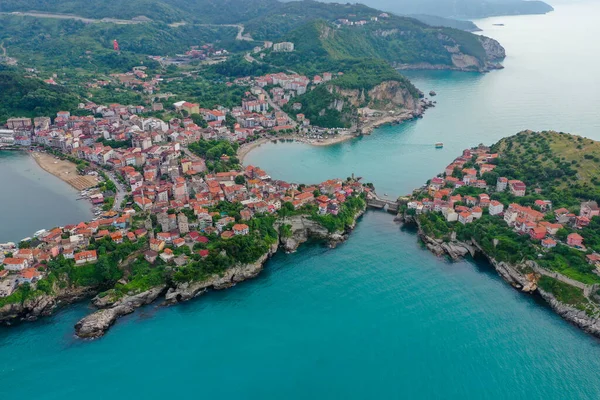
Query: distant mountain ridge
x,y
461,9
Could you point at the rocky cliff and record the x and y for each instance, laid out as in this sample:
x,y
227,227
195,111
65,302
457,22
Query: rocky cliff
x,y
111,308
97,323
387,95
465,61
43,305
523,276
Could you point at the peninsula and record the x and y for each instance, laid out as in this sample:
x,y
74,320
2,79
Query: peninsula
x,y
177,213
529,205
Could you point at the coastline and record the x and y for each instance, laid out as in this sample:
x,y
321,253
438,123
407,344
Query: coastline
x,y
246,148
108,311
64,170
523,276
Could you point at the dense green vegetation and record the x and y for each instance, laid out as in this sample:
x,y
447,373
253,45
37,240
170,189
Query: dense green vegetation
x,y
345,216
207,94
399,40
565,167
203,11
30,97
212,150
568,294
57,43
317,107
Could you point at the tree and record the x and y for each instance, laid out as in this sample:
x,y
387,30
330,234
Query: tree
x,y
240,180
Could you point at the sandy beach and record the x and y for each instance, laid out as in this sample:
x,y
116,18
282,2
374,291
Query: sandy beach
x,y
248,147
64,170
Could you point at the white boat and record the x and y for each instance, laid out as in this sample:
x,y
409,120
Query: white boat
x,y
439,145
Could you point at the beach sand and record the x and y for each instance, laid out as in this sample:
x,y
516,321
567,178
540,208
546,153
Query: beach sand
x,y
248,147
64,170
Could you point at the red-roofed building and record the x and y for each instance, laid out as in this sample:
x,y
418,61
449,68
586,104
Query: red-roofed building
x,y
575,240
85,257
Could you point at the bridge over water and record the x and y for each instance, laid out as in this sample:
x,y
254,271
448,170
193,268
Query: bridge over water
x,y
388,205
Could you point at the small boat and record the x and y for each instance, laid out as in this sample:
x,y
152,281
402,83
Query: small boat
x,y
498,24
439,145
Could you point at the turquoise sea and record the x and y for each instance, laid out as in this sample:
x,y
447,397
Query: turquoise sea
x,y
378,317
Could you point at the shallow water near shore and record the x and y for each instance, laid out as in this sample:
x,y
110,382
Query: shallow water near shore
x,y
378,317
32,199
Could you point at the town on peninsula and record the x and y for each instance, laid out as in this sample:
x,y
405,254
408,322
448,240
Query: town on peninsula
x,y
150,119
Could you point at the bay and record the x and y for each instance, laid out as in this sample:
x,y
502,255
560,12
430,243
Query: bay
x,y
550,81
32,199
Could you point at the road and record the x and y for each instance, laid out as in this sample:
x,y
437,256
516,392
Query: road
x,y
75,18
276,107
121,192
240,34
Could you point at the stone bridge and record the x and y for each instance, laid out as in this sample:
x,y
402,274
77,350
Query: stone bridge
x,y
391,206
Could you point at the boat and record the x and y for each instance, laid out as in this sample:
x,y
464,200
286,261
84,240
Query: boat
x,y
39,233
498,24
439,145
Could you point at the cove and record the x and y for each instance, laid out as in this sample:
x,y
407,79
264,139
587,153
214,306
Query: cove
x,y
32,199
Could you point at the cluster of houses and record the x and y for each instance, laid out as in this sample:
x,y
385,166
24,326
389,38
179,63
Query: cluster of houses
x,y
163,179
440,196
352,21
136,78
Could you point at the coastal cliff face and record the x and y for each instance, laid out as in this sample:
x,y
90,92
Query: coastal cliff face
x,y
110,309
95,324
387,95
461,61
43,305
577,317
493,49
524,277
303,228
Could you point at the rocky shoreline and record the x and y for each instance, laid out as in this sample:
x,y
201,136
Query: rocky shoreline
x,y
110,310
523,277
394,119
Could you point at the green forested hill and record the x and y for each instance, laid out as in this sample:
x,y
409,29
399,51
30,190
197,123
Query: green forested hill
x,y
22,96
56,43
402,41
201,11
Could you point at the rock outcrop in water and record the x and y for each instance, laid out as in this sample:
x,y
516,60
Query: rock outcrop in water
x,y
110,308
96,324
44,305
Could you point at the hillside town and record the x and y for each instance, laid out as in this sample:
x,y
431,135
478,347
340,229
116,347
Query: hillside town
x,y
539,221
157,189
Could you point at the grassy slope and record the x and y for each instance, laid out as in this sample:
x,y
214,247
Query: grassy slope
x,y
550,158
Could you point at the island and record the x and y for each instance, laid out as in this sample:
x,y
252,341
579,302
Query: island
x,y
529,205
